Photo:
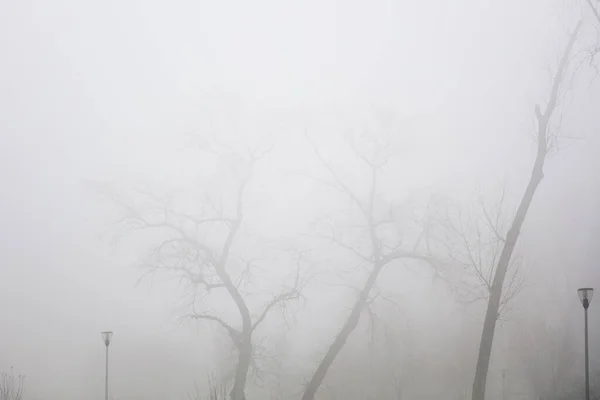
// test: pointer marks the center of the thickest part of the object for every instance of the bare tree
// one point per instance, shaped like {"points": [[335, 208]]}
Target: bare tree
{"points": [[546, 141], [197, 246], [474, 241], [9, 388], [375, 239]]}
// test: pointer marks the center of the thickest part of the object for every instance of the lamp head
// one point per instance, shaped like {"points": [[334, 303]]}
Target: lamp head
{"points": [[106, 337], [585, 295]]}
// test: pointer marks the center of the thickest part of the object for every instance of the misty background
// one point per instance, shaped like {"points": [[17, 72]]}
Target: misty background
{"points": [[115, 91]]}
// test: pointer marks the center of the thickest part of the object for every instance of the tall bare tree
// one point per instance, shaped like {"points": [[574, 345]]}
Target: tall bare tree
{"points": [[376, 238], [198, 246], [546, 140]]}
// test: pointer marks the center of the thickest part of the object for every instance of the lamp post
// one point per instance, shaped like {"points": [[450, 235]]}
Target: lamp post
{"points": [[106, 337], [504, 384], [585, 295]]}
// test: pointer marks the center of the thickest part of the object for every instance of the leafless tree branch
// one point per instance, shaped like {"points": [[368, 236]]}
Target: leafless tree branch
{"points": [[475, 243], [594, 9], [234, 333]]}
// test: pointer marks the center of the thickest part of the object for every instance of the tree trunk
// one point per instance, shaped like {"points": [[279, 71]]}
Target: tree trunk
{"points": [[242, 368], [342, 336], [537, 174], [491, 315]]}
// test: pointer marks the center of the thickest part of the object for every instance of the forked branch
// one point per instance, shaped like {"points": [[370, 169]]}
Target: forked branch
{"points": [[294, 293]]}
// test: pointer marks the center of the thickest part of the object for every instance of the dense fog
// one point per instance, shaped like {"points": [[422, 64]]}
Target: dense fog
{"points": [[123, 123]]}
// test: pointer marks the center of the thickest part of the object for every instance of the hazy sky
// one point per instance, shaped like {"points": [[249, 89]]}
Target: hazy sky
{"points": [[111, 91]]}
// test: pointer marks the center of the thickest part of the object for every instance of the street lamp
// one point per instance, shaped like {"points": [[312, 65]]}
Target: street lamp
{"points": [[585, 295], [106, 337]]}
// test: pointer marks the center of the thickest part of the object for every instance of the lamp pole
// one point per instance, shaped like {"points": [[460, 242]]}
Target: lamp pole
{"points": [[585, 295], [504, 384], [106, 338]]}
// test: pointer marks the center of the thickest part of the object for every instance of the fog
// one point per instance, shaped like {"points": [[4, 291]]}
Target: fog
{"points": [[116, 96]]}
